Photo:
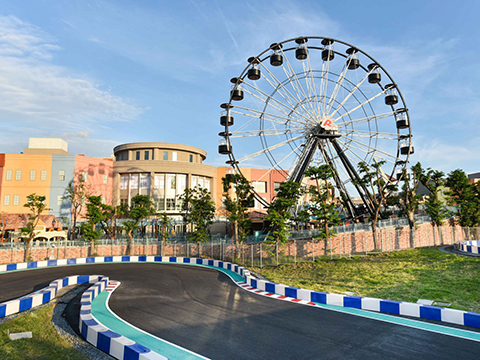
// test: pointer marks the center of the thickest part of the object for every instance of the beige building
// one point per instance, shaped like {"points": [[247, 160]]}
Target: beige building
{"points": [[162, 171]]}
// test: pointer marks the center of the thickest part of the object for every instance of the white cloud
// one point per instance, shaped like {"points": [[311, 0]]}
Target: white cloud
{"points": [[39, 96], [440, 154]]}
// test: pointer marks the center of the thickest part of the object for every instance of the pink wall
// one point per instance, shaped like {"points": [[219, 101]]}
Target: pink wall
{"points": [[96, 168]]}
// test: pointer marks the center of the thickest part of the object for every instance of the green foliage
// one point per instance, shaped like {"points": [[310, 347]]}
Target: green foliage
{"points": [[323, 207], [279, 211], [36, 204], [46, 342], [237, 206], [165, 221], [434, 181], [94, 216], [465, 196], [407, 199], [199, 210], [141, 208]]}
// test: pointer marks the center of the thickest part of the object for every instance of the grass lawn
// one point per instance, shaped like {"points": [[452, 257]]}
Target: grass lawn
{"points": [[45, 343], [409, 275]]}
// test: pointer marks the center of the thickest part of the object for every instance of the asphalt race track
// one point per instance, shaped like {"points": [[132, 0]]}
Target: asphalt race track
{"points": [[204, 311]]}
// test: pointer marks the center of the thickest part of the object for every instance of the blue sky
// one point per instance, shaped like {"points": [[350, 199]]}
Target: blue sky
{"points": [[102, 73]]}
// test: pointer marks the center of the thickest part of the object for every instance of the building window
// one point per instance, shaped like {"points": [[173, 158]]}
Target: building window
{"points": [[43, 175], [16, 200], [165, 155], [33, 175], [124, 182], [61, 175], [145, 181], [191, 158], [18, 175], [84, 176], [6, 200], [137, 155], [134, 181], [105, 178], [276, 186], [260, 186], [170, 204], [122, 156], [174, 156], [147, 153], [8, 175], [159, 182], [59, 200]]}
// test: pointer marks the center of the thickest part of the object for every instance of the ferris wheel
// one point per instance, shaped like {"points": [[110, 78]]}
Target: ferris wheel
{"points": [[312, 100]]}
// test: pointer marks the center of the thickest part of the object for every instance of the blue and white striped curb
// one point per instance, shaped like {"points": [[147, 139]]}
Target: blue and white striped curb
{"points": [[105, 339], [452, 316], [468, 246], [44, 295]]}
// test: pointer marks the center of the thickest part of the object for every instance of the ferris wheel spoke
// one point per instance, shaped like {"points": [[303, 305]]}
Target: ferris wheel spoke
{"points": [[283, 87], [369, 150], [336, 89], [277, 163], [350, 93], [367, 118], [267, 99], [368, 134], [273, 147], [266, 116], [268, 132], [310, 81], [360, 105], [291, 72]]}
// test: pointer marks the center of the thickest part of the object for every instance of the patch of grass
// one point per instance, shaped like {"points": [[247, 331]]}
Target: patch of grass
{"points": [[409, 275], [45, 343]]}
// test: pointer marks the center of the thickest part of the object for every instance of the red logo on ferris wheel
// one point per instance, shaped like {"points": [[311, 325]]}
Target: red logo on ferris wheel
{"points": [[328, 124]]}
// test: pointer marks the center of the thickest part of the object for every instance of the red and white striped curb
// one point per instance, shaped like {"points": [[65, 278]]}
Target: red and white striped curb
{"points": [[256, 291], [112, 285]]}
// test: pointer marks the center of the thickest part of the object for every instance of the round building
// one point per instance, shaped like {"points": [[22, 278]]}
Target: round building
{"points": [[162, 171]]}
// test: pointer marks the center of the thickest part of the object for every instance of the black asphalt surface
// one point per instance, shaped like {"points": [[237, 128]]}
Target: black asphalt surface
{"points": [[202, 310]]}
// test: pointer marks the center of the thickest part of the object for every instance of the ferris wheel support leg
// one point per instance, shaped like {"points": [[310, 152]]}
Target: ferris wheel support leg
{"points": [[348, 200], [304, 160], [362, 190]]}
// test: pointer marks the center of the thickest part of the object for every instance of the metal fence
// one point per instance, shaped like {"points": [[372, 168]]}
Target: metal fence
{"points": [[257, 254]]}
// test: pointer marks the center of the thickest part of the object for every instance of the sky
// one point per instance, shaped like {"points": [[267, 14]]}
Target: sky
{"points": [[102, 73]]}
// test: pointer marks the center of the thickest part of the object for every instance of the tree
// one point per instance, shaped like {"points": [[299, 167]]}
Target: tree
{"points": [[279, 210], [76, 193], [202, 213], [185, 200], [377, 187], [434, 180], [408, 200], [95, 215], [165, 220], [36, 204], [141, 207], [323, 208], [465, 196], [237, 205]]}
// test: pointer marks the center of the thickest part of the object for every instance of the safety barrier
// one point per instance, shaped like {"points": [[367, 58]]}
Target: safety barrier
{"points": [[104, 338], [468, 246], [44, 295], [442, 314]]}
